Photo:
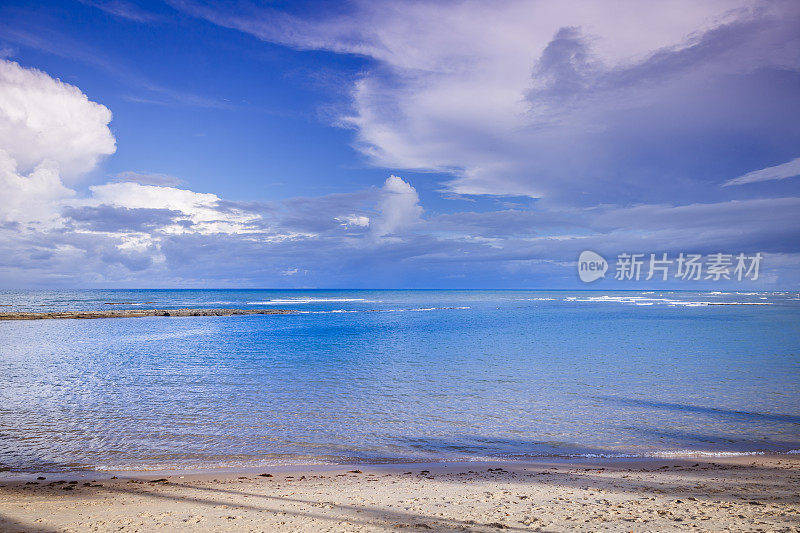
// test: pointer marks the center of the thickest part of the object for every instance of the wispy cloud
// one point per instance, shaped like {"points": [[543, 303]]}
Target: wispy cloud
{"points": [[66, 47], [778, 172], [575, 103], [148, 178], [122, 9]]}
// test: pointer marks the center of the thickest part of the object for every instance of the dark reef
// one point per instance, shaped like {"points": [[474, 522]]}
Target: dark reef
{"points": [[138, 313]]}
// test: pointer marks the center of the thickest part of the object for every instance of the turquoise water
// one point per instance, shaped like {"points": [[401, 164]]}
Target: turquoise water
{"points": [[382, 376]]}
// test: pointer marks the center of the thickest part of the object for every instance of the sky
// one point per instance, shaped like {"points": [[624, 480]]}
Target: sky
{"points": [[377, 144]]}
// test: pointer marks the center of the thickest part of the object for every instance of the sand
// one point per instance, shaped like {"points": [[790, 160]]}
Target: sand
{"points": [[758, 493]]}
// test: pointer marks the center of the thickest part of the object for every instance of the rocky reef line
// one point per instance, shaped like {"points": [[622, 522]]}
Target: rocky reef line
{"points": [[139, 313]]}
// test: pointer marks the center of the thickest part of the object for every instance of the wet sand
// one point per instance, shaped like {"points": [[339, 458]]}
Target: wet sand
{"points": [[754, 493]]}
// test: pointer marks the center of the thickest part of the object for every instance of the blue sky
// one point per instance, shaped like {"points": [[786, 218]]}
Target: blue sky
{"points": [[382, 144]]}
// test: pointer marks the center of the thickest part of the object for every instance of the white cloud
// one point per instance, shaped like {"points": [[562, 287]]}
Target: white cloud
{"points": [[483, 91], [31, 199], [778, 172], [44, 119], [148, 178], [47, 128], [399, 207], [354, 221], [202, 209], [135, 232], [448, 36], [122, 9], [134, 195]]}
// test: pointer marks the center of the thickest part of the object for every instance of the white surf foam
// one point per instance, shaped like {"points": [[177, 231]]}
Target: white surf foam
{"points": [[283, 301], [642, 300]]}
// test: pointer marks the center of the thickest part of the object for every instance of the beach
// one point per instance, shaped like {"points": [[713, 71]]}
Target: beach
{"points": [[379, 266], [745, 493], [399, 411]]}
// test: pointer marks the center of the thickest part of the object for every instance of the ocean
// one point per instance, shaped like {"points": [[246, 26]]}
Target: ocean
{"points": [[362, 376]]}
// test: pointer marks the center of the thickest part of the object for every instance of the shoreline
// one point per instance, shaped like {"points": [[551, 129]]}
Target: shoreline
{"points": [[140, 313], [738, 493], [13, 476]]}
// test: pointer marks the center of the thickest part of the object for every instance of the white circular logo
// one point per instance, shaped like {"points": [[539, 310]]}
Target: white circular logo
{"points": [[591, 266]]}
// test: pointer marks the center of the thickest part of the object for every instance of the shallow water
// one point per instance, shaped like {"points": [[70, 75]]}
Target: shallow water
{"points": [[373, 376]]}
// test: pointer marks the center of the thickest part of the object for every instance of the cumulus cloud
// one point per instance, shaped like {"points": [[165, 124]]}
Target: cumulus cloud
{"points": [[399, 207], [48, 129], [141, 227], [778, 172], [33, 198], [43, 119]]}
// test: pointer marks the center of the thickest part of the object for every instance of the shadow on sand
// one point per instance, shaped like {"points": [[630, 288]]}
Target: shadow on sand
{"points": [[665, 478]]}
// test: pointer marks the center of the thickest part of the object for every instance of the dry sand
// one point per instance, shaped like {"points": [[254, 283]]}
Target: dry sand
{"points": [[733, 494]]}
